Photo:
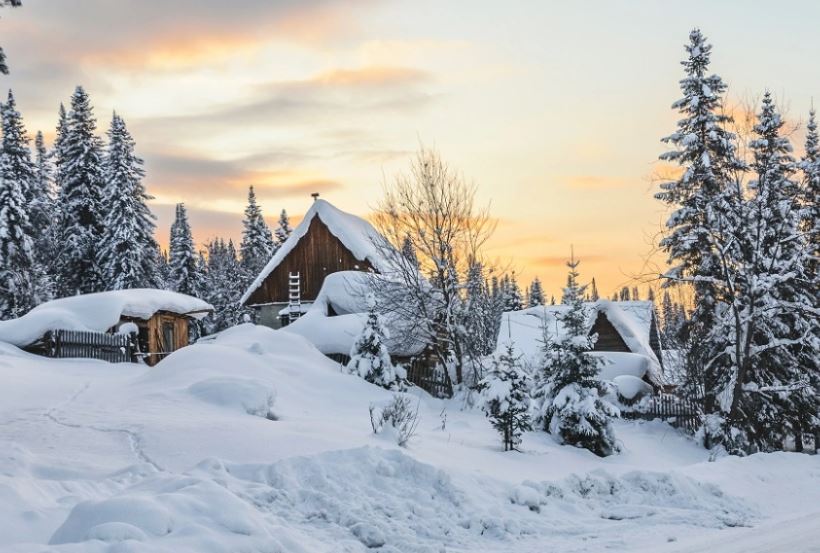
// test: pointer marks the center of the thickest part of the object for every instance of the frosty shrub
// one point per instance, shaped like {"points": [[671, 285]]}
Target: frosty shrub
{"points": [[505, 391], [398, 416]]}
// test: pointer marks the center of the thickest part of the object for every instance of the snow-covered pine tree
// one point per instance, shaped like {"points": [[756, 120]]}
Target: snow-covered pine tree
{"points": [[257, 240], [127, 250], [624, 296], [184, 272], [4, 69], [22, 281], [775, 345], [593, 292], [506, 394], [369, 357], [536, 294], [704, 200], [479, 319], [80, 218], [223, 271], [573, 407], [283, 228], [408, 250], [810, 201], [514, 299]]}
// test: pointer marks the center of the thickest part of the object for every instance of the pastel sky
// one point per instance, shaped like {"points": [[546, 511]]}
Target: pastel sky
{"points": [[555, 109]]}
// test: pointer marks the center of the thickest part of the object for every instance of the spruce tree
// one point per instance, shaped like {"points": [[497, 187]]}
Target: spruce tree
{"points": [[573, 408], [257, 241], [408, 250], [514, 299], [369, 357], [184, 271], [223, 271], [593, 292], [704, 201], [22, 282], [127, 248], [4, 69], [80, 220], [536, 294], [479, 318], [283, 228], [505, 391]]}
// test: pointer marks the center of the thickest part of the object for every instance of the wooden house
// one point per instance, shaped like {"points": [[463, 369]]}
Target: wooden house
{"points": [[326, 241], [119, 326], [627, 335]]}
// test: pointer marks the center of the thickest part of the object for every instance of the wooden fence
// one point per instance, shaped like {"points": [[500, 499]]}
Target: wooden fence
{"points": [[114, 348], [682, 413], [433, 379]]}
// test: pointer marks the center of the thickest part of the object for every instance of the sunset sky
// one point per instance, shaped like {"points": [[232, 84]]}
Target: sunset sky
{"points": [[554, 109]]}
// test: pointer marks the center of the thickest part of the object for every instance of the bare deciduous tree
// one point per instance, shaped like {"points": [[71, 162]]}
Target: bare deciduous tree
{"points": [[435, 209]]}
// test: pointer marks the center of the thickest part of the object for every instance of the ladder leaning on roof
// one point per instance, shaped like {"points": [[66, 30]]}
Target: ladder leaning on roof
{"points": [[294, 296]]}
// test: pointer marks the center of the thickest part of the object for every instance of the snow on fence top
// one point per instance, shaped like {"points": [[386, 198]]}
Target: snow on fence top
{"points": [[527, 329], [355, 233], [98, 312]]}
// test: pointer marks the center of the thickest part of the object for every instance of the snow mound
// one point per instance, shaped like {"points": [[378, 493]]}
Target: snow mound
{"points": [[666, 498], [631, 387], [251, 396], [115, 518]]}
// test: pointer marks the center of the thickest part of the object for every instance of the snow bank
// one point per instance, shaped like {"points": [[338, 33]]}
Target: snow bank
{"points": [[355, 233], [97, 312]]}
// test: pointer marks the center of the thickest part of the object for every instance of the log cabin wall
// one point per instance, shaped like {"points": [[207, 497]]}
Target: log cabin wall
{"points": [[609, 339], [156, 340], [317, 254]]}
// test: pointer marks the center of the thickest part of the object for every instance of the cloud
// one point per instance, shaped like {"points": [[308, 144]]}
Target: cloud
{"points": [[173, 178]]}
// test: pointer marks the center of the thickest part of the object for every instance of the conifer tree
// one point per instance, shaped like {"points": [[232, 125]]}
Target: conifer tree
{"points": [[22, 282], [810, 199], [257, 241], [593, 292], [4, 69], [80, 220], [505, 391], [573, 407], [536, 294], [128, 248], [369, 357], [42, 208], [479, 318], [223, 271], [514, 300], [184, 271], [636, 295], [283, 228], [704, 199], [408, 250]]}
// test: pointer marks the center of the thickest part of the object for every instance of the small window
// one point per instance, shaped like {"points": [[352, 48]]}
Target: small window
{"points": [[168, 337]]}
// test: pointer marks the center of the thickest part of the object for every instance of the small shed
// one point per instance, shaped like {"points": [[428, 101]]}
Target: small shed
{"points": [[326, 241], [156, 322]]}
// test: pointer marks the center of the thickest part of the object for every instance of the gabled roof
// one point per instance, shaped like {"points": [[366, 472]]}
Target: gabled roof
{"points": [[528, 328], [98, 312], [356, 234]]}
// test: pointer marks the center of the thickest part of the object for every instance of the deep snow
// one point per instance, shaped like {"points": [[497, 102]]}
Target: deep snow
{"points": [[254, 441]]}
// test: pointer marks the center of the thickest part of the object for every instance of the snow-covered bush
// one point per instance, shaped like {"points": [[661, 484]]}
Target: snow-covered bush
{"points": [[398, 416], [572, 403], [369, 357], [505, 391]]}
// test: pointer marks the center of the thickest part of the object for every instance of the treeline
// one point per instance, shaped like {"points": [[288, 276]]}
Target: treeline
{"points": [[75, 220]]}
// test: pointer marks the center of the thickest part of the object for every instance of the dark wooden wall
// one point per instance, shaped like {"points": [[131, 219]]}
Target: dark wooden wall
{"points": [[317, 254], [608, 338]]}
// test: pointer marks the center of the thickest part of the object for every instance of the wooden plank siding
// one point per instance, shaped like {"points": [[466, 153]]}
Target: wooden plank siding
{"points": [[317, 254], [609, 339]]}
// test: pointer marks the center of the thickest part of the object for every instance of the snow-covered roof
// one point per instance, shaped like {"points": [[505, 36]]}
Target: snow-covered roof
{"points": [[528, 329], [346, 293], [98, 312], [355, 233]]}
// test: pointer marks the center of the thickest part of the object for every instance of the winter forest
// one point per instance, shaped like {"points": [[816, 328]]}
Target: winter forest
{"points": [[679, 411]]}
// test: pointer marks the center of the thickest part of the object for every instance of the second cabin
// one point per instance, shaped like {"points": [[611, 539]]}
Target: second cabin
{"points": [[326, 241]]}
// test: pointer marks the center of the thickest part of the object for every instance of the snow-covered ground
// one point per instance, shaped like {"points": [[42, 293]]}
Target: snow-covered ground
{"points": [[254, 441]]}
